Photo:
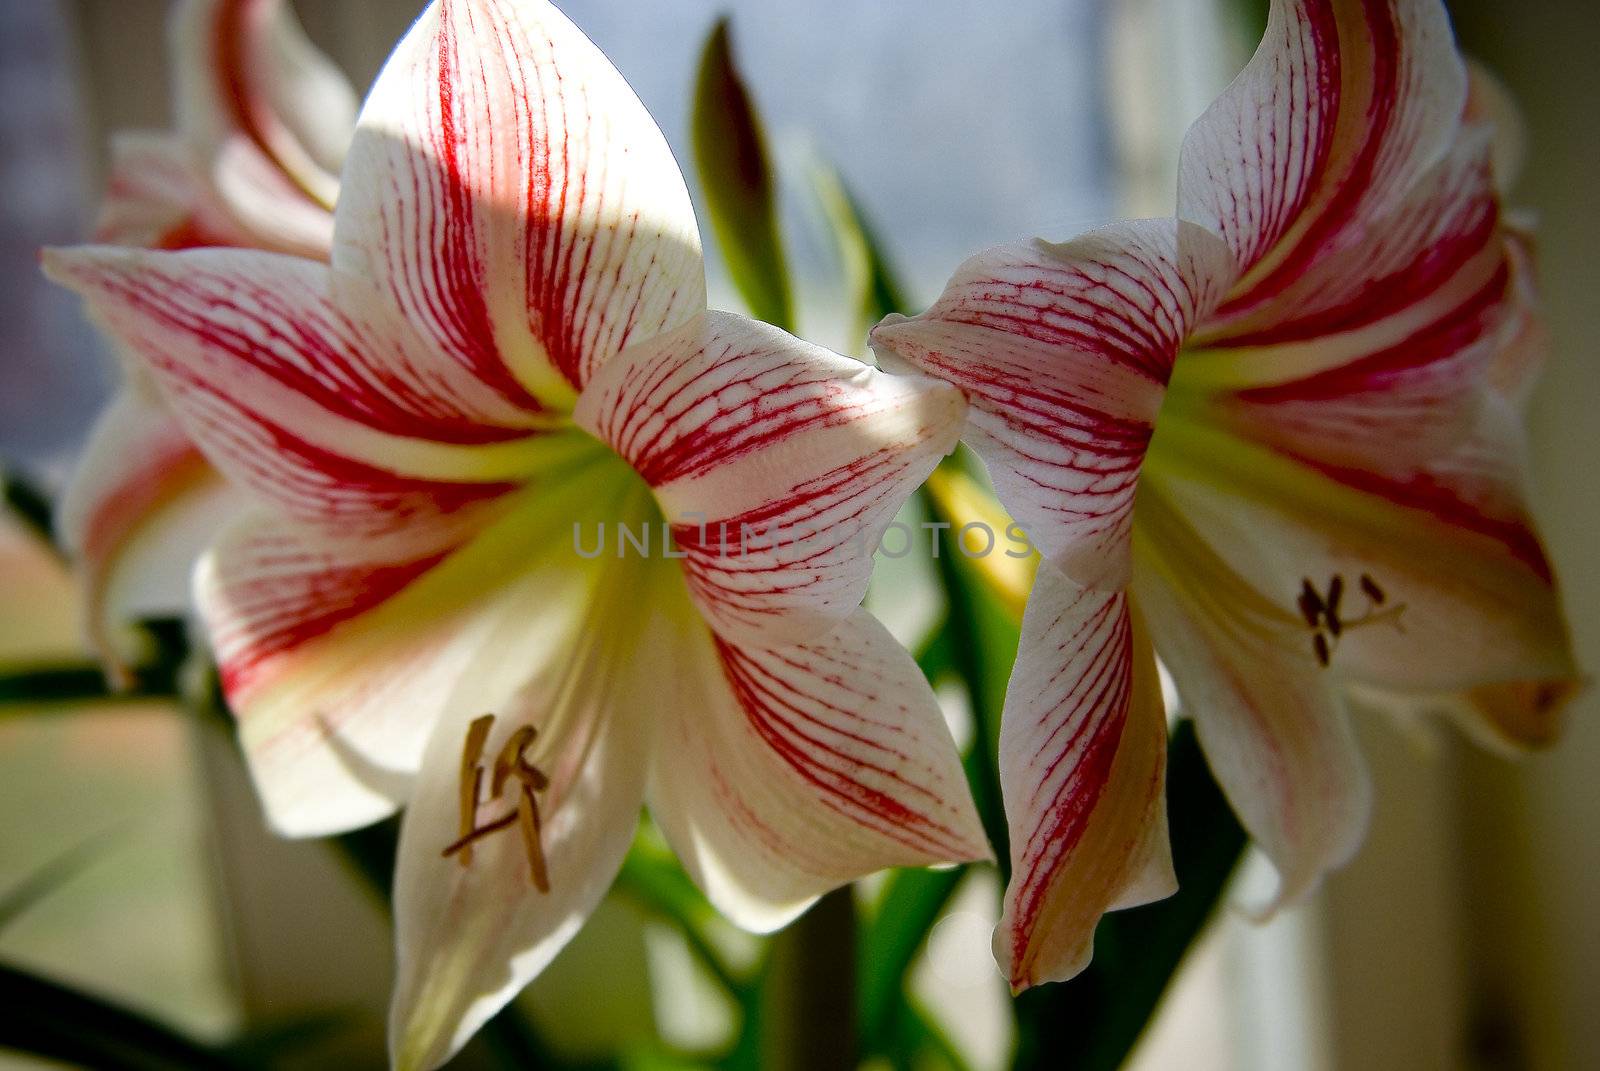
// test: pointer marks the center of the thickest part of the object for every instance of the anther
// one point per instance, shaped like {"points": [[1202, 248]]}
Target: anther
{"points": [[1310, 603], [511, 764]]}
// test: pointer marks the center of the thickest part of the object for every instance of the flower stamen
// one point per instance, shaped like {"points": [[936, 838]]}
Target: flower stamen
{"points": [[511, 764], [1328, 626]]}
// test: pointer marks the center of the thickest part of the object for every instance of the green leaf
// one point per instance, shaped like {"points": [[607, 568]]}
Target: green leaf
{"points": [[50, 1020], [1092, 1022], [55, 873], [875, 290], [30, 505], [911, 903], [737, 178]]}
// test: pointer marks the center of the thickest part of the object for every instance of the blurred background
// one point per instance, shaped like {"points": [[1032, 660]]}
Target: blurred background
{"points": [[1463, 936]]}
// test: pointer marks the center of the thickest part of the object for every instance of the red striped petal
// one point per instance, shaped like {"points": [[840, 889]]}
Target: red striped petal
{"points": [[335, 413], [332, 720], [141, 505], [157, 197], [249, 81], [1082, 768], [1064, 352], [781, 773], [778, 463], [1306, 164], [339, 656], [513, 197]]}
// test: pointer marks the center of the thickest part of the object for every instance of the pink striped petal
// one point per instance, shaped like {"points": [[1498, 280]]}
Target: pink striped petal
{"points": [[1064, 352], [511, 195], [339, 656], [1308, 163], [1082, 769], [334, 702], [249, 82], [779, 464], [335, 413], [157, 198], [1466, 599], [1274, 732], [141, 506], [781, 773]]}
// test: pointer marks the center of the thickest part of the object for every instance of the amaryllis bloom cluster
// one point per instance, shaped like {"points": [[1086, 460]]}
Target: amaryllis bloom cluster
{"points": [[1275, 441], [263, 121], [510, 345]]}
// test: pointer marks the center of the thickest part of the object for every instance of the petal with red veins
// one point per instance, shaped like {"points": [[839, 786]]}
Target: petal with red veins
{"points": [[1275, 734], [338, 656], [334, 412], [249, 82], [1082, 769], [1064, 352], [141, 506], [779, 464], [513, 198], [1446, 588], [781, 773], [156, 198], [1319, 143]]}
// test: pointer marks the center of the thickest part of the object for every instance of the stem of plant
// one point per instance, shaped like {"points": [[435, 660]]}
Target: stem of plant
{"points": [[810, 1001]]}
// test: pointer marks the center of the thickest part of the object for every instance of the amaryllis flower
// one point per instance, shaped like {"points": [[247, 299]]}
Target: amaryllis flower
{"points": [[1277, 443], [262, 124], [263, 121], [460, 432]]}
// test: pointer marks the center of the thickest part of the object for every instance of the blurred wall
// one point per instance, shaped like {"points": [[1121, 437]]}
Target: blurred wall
{"points": [[1530, 834]]}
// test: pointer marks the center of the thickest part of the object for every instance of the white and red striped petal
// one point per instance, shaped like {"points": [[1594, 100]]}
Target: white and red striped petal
{"points": [[1275, 734], [141, 506], [1316, 148], [1465, 597], [781, 773], [1064, 352], [250, 83], [778, 464], [1438, 244], [156, 198], [338, 656], [333, 702], [334, 412], [1082, 770], [515, 201]]}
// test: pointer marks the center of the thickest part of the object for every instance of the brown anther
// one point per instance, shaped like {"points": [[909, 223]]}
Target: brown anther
{"points": [[1370, 588], [1335, 593], [512, 764], [1310, 603], [1319, 644], [471, 783], [528, 822]]}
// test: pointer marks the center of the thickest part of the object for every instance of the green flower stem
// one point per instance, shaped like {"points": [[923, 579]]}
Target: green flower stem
{"points": [[809, 1004]]}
